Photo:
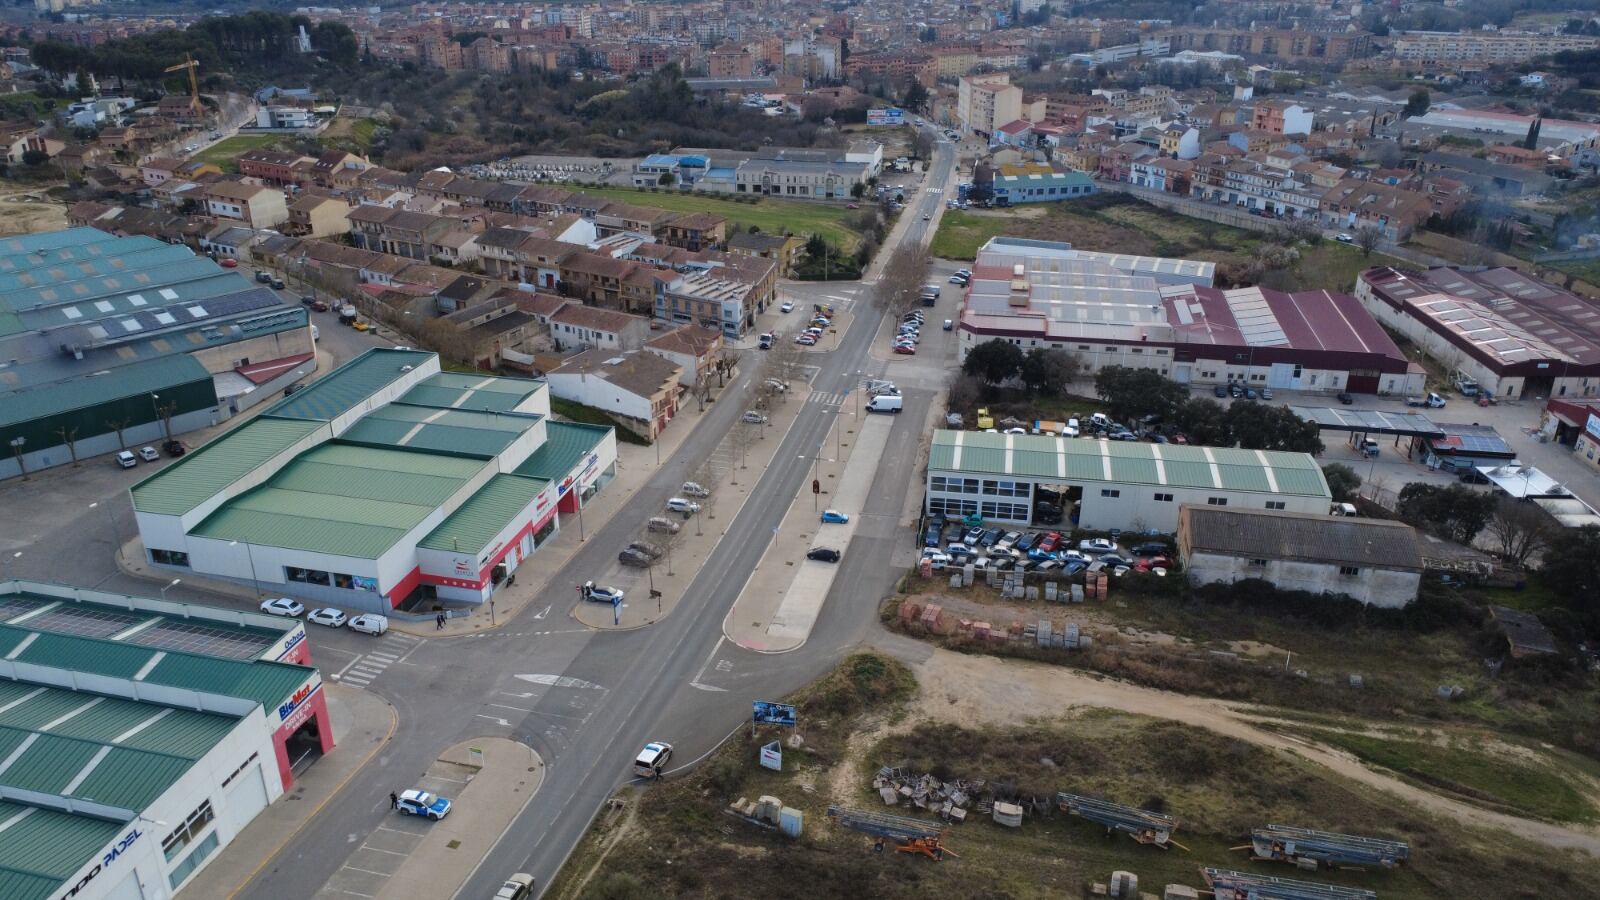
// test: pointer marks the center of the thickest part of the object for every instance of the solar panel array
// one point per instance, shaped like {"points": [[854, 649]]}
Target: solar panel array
{"points": [[84, 621], [209, 640]]}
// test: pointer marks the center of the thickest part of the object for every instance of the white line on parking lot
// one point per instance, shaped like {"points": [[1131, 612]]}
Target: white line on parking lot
{"points": [[368, 871], [347, 891], [504, 706], [381, 850]]}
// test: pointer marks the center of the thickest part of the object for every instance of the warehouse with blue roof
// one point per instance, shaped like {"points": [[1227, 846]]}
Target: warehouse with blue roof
{"points": [[111, 342], [387, 485], [138, 737]]}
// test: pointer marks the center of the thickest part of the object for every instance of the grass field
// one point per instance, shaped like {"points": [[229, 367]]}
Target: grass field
{"points": [[222, 153], [1139, 228], [349, 133], [830, 221], [1524, 782], [672, 839]]}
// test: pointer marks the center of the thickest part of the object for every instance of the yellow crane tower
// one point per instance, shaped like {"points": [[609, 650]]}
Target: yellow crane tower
{"points": [[194, 85]]}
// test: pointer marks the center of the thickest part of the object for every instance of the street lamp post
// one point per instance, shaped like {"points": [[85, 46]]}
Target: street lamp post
{"points": [[254, 582], [116, 536], [173, 584], [16, 448], [11, 565]]}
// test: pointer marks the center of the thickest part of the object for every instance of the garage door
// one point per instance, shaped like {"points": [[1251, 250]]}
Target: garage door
{"points": [[246, 797]]}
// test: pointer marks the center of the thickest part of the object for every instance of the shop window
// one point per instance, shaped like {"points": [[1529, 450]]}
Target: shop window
{"points": [[169, 557], [1275, 504], [184, 869], [343, 581]]}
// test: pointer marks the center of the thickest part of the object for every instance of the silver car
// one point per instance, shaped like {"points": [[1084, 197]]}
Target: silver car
{"points": [[663, 525], [695, 489]]}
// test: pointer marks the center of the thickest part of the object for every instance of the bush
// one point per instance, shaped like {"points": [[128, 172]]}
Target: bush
{"points": [[618, 886], [725, 775]]}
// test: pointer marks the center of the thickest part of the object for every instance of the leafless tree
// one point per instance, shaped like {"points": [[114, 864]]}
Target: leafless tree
{"points": [[120, 426], [69, 436], [166, 410], [740, 439], [701, 390], [1520, 528], [785, 361], [901, 286], [963, 393], [1367, 238], [727, 362]]}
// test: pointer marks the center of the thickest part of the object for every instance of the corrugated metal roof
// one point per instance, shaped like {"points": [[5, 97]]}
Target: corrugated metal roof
{"points": [[1169, 465], [566, 444], [454, 390], [42, 848], [1306, 537], [348, 386], [145, 377], [83, 654], [469, 432], [485, 514], [200, 475], [342, 499]]}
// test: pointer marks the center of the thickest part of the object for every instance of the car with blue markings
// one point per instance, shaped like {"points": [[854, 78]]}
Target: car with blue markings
{"points": [[423, 804]]}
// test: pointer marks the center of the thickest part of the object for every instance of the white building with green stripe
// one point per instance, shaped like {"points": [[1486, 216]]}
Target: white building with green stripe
{"points": [[1133, 486], [387, 485]]}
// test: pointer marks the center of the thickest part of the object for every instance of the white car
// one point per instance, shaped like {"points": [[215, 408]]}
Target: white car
{"points": [[1072, 429], [694, 489], [1344, 238], [786, 307], [149, 454], [1097, 545], [369, 623], [652, 759], [600, 593], [1016, 430], [936, 559], [683, 505], [1008, 540], [283, 606], [328, 616], [517, 887], [753, 418]]}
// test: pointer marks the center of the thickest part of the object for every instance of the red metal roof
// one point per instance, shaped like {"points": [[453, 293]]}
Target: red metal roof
{"points": [[263, 372]]}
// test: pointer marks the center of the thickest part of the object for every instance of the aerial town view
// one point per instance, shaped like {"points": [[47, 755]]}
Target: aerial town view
{"points": [[735, 449]]}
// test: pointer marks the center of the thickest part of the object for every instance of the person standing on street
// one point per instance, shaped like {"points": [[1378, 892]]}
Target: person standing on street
{"points": [[394, 800]]}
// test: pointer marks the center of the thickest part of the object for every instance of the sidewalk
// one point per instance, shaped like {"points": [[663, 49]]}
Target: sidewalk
{"points": [[362, 724], [691, 549], [501, 777], [780, 603]]}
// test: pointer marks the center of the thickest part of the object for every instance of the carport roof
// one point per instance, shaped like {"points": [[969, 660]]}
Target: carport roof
{"points": [[1045, 458], [471, 527], [1369, 421]]}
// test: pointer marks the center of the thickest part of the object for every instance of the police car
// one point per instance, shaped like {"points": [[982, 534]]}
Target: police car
{"points": [[424, 804], [652, 759]]}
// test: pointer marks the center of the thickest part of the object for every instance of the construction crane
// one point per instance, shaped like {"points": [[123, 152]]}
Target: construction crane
{"points": [[1229, 885], [1142, 825], [194, 84], [1309, 848], [909, 835]]}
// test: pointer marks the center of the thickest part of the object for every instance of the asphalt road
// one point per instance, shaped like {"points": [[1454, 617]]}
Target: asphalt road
{"points": [[586, 701]]}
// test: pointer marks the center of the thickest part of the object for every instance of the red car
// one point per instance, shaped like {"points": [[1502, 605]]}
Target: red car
{"points": [[1154, 562], [228, 263], [1049, 542], [905, 350]]}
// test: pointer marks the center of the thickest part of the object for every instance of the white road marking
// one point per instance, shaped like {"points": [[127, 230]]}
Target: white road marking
{"points": [[381, 850], [504, 706], [495, 719], [367, 871], [561, 680]]}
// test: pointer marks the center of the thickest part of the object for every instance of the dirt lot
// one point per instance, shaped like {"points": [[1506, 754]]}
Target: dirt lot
{"points": [[26, 213], [1032, 729]]}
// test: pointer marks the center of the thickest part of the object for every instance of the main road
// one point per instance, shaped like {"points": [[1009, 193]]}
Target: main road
{"points": [[587, 700]]}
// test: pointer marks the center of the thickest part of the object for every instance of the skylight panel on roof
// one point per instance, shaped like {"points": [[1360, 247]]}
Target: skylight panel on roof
{"points": [[104, 306], [137, 299], [198, 311], [71, 312], [169, 294], [98, 332], [166, 318], [131, 325]]}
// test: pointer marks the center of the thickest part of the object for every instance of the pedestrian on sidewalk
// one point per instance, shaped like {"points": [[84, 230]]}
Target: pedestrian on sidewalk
{"points": [[438, 622], [394, 800]]}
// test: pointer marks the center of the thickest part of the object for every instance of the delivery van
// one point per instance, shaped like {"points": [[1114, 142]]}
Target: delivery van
{"points": [[885, 403]]}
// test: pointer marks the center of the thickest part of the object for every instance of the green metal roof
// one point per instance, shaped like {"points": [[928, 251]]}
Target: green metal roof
{"points": [[348, 386], [49, 240], [1042, 457], [472, 433], [43, 847], [565, 445], [485, 514], [145, 377], [105, 245], [78, 278], [454, 390], [200, 475], [342, 499]]}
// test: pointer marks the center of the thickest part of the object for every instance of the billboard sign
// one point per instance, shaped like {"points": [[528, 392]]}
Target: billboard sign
{"points": [[888, 115], [1592, 425], [768, 713]]}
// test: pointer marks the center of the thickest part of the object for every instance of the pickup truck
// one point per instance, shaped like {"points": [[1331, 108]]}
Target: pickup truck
{"points": [[1430, 400]]}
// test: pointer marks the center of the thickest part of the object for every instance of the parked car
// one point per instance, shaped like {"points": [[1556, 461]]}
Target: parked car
{"points": [[1008, 540], [283, 606], [931, 536], [936, 559], [263, 277], [1026, 542], [647, 548], [277, 284], [1345, 238], [149, 454], [1049, 542], [960, 549], [228, 263], [600, 593], [834, 517], [905, 349], [369, 623], [1151, 548], [652, 759], [126, 459], [328, 616], [1097, 545], [663, 525], [683, 505], [694, 489], [753, 418], [634, 558], [990, 537], [786, 307], [1266, 393], [423, 804], [823, 554], [1346, 399], [1219, 391]]}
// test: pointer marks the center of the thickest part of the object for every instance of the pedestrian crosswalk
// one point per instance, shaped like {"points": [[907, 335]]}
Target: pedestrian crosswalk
{"points": [[368, 666], [826, 398]]}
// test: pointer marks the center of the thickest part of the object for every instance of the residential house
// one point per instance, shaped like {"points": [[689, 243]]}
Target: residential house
{"points": [[575, 326], [639, 389], [255, 205], [338, 169], [1281, 117], [783, 249], [693, 348], [696, 231], [1395, 212], [1180, 141], [314, 215], [271, 166], [595, 278], [487, 330]]}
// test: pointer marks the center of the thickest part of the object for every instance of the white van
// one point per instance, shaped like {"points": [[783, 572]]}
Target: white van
{"points": [[885, 403]]}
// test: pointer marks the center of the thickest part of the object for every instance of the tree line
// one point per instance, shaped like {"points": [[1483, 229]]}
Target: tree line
{"points": [[218, 43]]}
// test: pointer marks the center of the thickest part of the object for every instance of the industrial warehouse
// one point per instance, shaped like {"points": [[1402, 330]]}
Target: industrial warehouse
{"points": [[386, 485], [1128, 485], [109, 342], [1143, 312], [139, 737]]}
